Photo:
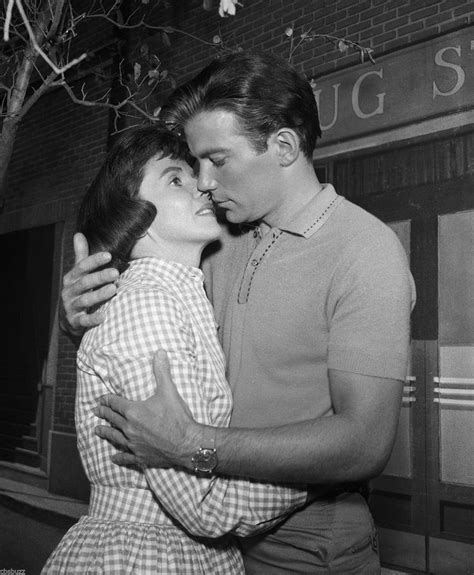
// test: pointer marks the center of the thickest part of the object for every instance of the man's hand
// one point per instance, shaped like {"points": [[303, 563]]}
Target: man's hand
{"points": [[80, 288], [157, 432]]}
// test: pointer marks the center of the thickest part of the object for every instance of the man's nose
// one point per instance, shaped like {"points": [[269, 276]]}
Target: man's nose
{"points": [[205, 184]]}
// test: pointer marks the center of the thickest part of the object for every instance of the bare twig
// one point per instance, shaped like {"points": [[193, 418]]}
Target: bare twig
{"points": [[342, 44], [38, 49], [143, 24], [8, 19]]}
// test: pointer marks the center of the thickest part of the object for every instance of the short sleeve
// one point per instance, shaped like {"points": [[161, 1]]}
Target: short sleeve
{"points": [[369, 308]]}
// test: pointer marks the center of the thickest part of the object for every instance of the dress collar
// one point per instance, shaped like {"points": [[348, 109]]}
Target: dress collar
{"points": [[154, 267]]}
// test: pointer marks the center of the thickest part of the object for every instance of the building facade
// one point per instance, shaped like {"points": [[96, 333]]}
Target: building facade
{"points": [[398, 139]]}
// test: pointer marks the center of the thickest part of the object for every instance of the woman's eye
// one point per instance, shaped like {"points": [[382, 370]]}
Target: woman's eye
{"points": [[176, 181], [219, 162]]}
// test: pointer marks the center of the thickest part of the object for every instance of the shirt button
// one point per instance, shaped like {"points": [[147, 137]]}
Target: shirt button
{"points": [[256, 233], [254, 263]]}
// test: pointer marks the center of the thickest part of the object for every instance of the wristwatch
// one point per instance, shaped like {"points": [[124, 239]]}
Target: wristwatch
{"points": [[204, 461]]}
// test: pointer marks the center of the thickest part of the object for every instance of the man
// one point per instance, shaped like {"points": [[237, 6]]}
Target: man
{"points": [[313, 298]]}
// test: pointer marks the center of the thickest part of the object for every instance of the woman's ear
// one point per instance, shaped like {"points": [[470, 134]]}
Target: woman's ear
{"points": [[288, 145]]}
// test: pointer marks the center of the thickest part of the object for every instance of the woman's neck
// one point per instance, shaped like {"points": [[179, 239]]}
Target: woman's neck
{"points": [[186, 255]]}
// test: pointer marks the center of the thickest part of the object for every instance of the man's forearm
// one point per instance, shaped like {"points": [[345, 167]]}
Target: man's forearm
{"points": [[352, 445], [325, 450]]}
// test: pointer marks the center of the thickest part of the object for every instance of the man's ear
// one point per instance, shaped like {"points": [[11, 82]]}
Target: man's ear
{"points": [[288, 145]]}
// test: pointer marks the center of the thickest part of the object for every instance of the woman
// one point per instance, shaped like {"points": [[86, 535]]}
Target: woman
{"points": [[144, 208]]}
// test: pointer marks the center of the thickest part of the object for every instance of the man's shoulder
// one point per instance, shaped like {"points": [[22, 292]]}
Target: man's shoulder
{"points": [[353, 223]]}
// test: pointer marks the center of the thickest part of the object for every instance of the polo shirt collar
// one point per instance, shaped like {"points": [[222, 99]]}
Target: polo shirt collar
{"points": [[307, 220], [314, 214]]}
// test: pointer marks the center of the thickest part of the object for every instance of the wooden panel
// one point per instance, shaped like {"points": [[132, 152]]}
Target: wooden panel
{"points": [[457, 519], [424, 267], [456, 441], [393, 509], [400, 462], [402, 549], [451, 557], [418, 164], [456, 278]]}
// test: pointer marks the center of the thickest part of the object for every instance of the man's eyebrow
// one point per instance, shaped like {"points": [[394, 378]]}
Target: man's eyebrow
{"points": [[211, 151]]}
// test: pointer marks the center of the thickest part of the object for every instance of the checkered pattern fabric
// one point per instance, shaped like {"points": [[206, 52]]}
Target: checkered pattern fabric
{"points": [[161, 520]]}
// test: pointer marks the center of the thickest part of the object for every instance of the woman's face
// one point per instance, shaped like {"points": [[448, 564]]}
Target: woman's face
{"points": [[184, 215]]}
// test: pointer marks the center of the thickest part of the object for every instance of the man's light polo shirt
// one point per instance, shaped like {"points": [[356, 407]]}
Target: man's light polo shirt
{"points": [[329, 290]]}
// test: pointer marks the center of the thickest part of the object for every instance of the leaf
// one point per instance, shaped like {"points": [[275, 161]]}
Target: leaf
{"points": [[342, 46], [227, 7], [166, 39]]}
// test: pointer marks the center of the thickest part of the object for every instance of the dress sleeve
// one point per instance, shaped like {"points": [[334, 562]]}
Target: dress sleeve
{"points": [[151, 319]]}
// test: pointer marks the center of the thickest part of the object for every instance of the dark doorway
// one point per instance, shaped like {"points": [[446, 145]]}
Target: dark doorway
{"points": [[27, 258]]}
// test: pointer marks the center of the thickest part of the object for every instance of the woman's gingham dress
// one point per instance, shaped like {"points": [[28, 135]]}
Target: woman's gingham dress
{"points": [[159, 520]]}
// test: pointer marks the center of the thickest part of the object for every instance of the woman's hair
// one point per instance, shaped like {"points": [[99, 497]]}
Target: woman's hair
{"points": [[262, 90], [112, 216]]}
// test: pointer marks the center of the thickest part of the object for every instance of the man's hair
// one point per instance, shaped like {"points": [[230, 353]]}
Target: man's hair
{"points": [[112, 216], [263, 91]]}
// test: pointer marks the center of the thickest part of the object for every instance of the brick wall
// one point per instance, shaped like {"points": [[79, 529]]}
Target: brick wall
{"points": [[61, 145], [384, 25]]}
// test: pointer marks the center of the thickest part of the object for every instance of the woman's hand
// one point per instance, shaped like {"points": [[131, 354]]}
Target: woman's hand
{"points": [[82, 288]]}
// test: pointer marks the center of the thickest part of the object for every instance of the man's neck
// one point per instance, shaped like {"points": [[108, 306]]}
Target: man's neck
{"points": [[297, 198]]}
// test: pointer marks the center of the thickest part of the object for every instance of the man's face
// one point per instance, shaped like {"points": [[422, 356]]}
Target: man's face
{"points": [[242, 181]]}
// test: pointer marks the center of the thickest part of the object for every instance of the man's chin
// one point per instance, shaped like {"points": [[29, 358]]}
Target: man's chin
{"points": [[234, 218]]}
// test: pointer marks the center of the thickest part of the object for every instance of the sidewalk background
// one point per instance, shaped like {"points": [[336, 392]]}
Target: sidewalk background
{"points": [[32, 522]]}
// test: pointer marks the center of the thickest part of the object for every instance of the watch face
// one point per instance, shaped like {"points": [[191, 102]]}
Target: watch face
{"points": [[205, 460]]}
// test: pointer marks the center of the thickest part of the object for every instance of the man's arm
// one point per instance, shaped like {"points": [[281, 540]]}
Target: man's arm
{"points": [[351, 445], [83, 288]]}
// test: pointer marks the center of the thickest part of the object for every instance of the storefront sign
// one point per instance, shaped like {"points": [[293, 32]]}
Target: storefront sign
{"points": [[432, 79]]}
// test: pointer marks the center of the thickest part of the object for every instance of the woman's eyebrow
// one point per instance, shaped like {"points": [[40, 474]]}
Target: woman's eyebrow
{"points": [[171, 169]]}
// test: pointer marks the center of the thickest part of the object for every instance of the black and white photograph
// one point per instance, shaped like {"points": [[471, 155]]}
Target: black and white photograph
{"points": [[237, 243]]}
